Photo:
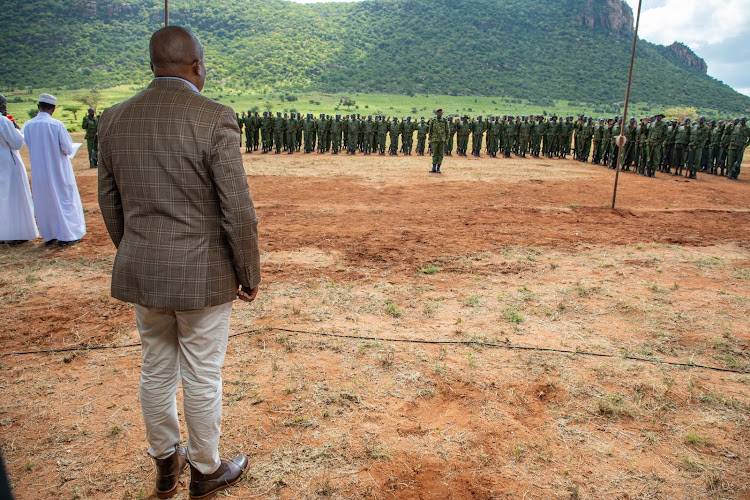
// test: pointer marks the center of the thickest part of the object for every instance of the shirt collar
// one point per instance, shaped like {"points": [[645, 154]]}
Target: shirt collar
{"points": [[180, 79]]}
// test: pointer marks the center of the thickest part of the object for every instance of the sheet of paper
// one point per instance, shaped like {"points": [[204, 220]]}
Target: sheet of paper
{"points": [[76, 147]]}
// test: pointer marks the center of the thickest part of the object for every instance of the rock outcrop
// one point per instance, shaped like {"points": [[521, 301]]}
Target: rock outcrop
{"points": [[688, 57], [611, 15]]}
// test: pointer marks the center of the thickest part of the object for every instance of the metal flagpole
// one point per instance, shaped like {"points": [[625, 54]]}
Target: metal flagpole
{"points": [[627, 99], [166, 13]]}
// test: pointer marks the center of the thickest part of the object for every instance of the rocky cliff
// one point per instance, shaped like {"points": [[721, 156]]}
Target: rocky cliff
{"points": [[683, 53], [610, 15]]}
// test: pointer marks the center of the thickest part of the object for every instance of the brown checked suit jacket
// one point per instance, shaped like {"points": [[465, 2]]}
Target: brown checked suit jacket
{"points": [[175, 200]]}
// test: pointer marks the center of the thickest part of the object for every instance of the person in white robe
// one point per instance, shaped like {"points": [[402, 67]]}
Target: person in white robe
{"points": [[16, 207], [57, 202]]}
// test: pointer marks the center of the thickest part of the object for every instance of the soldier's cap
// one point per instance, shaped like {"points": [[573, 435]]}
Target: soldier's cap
{"points": [[439, 110], [743, 119], [48, 99], [632, 118], [660, 114], [713, 122], [422, 118]]}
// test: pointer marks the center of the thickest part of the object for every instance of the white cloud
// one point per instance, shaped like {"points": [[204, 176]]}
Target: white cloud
{"points": [[716, 30], [696, 23]]}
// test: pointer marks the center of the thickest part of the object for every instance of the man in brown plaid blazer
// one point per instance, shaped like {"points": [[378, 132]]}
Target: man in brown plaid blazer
{"points": [[175, 200]]}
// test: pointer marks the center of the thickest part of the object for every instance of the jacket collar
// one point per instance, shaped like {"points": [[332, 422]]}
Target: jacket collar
{"points": [[172, 81]]}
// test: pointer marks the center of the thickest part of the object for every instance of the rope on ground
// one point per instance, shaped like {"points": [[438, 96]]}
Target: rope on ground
{"points": [[475, 343]]}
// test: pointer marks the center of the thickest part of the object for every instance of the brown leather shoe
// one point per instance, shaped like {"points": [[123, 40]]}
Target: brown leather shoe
{"points": [[204, 486], [168, 472]]}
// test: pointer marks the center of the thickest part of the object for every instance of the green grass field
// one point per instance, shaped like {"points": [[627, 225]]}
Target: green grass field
{"points": [[366, 104]]}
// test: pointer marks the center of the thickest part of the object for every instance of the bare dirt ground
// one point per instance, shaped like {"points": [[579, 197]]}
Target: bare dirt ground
{"points": [[509, 252]]}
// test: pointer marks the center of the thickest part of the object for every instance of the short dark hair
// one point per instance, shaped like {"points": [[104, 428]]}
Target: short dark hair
{"points": [[44, 106]]}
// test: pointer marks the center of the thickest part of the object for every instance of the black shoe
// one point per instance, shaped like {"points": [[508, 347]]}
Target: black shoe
{"points": [[66, 243], [204, 486], [168, 472], [50, 242]]}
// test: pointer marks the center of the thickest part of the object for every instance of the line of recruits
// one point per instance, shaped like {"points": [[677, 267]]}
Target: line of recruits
{"points": [[653, 144]]}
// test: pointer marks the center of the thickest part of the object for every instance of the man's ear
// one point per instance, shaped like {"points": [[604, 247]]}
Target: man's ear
{"points": [[197, 67]]}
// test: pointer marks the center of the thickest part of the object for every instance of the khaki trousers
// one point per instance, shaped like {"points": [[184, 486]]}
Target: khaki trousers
{"points": [[187, 346]]}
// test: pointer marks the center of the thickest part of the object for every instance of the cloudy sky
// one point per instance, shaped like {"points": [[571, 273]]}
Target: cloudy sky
{"points": [[716, 30]]}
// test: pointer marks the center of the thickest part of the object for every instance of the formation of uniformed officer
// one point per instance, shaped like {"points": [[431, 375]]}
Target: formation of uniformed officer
{"points": [[653, 144], [672, 147]]}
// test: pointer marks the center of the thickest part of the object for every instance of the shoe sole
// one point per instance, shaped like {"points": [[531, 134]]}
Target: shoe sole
{"points": [[212, 494], [168, 494]]}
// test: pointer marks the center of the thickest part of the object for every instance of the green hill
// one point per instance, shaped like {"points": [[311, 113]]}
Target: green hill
{"points": [[538, 50]]}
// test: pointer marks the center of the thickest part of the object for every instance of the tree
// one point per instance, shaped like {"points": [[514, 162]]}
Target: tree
{"points": [[90, 98], [74, 110], [680, 113]]}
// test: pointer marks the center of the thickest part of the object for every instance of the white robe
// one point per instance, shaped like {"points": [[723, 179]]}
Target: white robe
{"points": [[16, 207], [57, 203]]}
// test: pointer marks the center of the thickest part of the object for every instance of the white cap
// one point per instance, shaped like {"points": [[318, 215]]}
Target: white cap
{"points": [[48, 99]]}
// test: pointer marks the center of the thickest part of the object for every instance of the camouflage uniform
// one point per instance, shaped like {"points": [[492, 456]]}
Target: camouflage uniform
{"points": [[422, 127], [511, 128], [739, 139], [438, 130], [699, 136], [681, 142], [463, 131], [657, 136], [394, 130], [321, 129], [336, 128], [477, 132], [382, 132], [353, 129], [524, 134], [309, 129], [91, 125], [452, 129]]}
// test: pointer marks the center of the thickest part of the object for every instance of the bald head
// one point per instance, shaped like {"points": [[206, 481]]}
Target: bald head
{"points": [[177, 52]]}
